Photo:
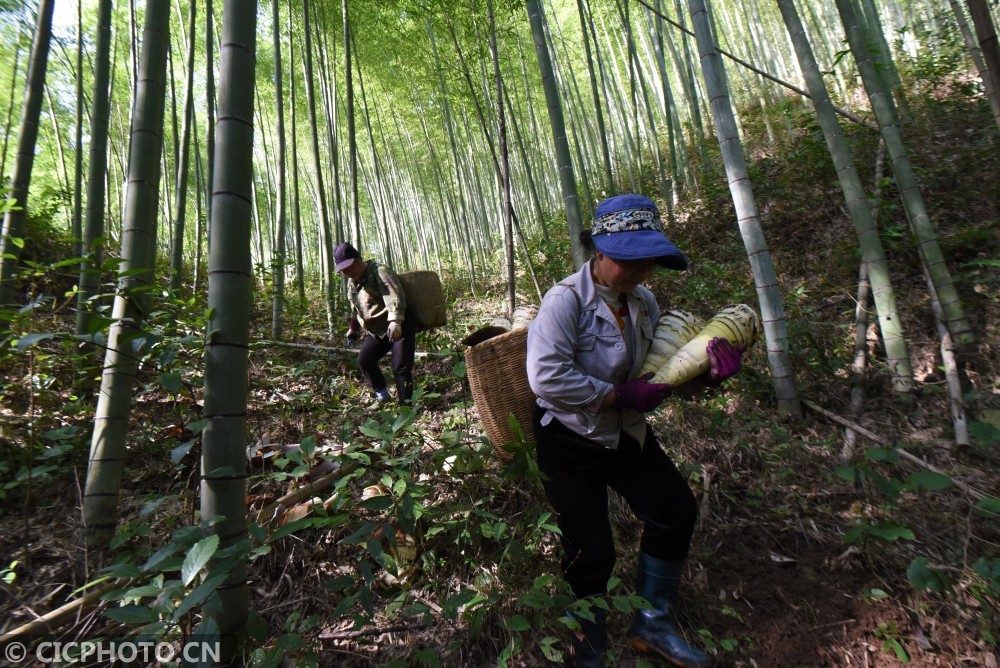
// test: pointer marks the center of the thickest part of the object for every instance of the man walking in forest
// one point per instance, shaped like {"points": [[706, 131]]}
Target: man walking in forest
{"points": [[379, 316]]}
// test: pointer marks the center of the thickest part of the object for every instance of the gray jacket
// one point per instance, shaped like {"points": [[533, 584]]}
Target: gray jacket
{"points": [[377, 298], [576, 354]]}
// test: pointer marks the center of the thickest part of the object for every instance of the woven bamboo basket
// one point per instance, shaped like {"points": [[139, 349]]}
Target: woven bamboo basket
{"points": [[425, 298], [498, 376]]}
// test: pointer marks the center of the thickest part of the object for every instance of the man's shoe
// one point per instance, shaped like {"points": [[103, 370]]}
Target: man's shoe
{"points": [[382, 397]]}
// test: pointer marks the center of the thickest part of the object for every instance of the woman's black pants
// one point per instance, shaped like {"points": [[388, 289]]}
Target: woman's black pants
{"points": [[579, 474]]}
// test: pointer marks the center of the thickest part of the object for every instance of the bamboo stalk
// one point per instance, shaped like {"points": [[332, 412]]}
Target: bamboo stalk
{"points": [[860, 361], [353, 351], [62, 614], [951, 372], [269, 512], [881, 442], [843, 112]]}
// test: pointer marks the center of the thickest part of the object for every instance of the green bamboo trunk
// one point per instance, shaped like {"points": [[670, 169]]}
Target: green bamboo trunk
{"points": [[108, 444]]}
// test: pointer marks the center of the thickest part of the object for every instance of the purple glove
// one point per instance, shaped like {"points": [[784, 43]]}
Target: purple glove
{"points": [[724, 359], [639, 394]]}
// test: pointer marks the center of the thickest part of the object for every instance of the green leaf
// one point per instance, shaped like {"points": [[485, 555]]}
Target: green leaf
{"points": [[61, 434], [550, 645], [171, 382], [988, 506], [309, 522], [414, 610], [925, 578], [308, 446], [257, 629], [891, 487], [65, 263], [29, 340], [846, 472], [340, 583], [197, 426], [290, 642], [132, 614], [376, 430], [375, 549], [623, 604], [882, 455], [403, 420], [890, 531], [145, 590], [855, 534], [160, 556], [381, 502], [463, 598], [190, 535], [197, 557], [122, 570], [894, 645], [99, 323], [515, 426], [153, 505], [178, 453], [519, 623], [199, 595], [984, 432], [449, 438], [930, 480], [257, 532]]}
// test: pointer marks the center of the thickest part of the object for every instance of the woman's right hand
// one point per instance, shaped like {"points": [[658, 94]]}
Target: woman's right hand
{"points": [[639, 394]]}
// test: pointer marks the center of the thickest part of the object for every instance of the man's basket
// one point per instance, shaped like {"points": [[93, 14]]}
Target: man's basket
{"points": [[424, 298], [498, 376]]}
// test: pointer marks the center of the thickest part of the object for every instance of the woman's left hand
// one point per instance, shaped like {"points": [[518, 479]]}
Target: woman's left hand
{"points": [[724, 359]]}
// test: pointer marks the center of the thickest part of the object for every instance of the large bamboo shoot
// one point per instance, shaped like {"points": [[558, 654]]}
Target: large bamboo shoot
{"points": [[673, 330], [738, 323]]}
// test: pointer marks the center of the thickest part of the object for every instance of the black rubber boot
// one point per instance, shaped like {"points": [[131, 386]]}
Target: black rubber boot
{"points": [[590, 644], [654, 630]]}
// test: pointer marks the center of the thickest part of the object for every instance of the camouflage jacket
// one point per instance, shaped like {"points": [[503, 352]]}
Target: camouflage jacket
{"points": [[377, 298]]}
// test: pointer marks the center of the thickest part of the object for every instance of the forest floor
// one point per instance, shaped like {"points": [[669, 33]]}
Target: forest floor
{"points": [[797, 560]]}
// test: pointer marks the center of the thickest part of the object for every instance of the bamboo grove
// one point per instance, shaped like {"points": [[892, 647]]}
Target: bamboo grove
{"points": [[207, 148]]}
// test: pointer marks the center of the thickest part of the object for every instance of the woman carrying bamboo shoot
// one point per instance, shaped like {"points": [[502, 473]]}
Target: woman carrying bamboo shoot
{"points": [[585, 351]]}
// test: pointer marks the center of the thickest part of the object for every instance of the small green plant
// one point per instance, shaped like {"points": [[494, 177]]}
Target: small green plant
{"points": [[889, 635], [163, 591], [8, 574], [986, 590], [292, 645], [714, 644]]}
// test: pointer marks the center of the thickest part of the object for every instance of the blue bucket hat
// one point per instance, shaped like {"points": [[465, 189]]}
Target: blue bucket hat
{"points": [[628, 227]]}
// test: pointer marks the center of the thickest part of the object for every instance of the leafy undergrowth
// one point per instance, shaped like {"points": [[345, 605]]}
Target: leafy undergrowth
{"points": [[799, 559]]}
